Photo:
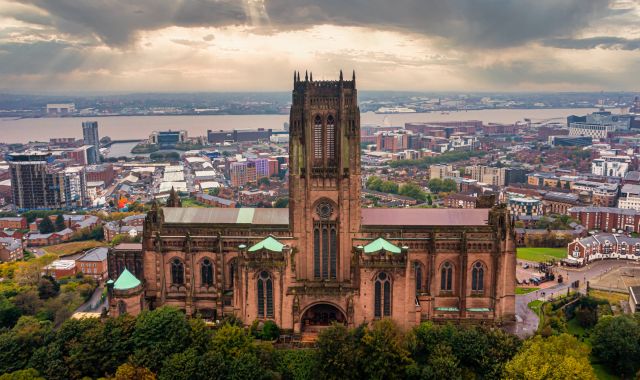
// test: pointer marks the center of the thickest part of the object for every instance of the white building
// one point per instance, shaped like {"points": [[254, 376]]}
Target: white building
{"points": [[611, 166], [595, 131], [61, 108], [629, 197]]}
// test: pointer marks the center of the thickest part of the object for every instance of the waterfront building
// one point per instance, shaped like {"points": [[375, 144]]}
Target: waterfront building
{"points": [[92, 137], [324, 259]]}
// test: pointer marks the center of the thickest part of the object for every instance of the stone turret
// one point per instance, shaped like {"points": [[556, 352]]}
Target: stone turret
{"points": [[174, 199]]}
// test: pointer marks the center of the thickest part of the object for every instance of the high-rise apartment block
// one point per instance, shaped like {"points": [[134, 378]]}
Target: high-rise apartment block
{"points": [[37, 184], [91, 137]]}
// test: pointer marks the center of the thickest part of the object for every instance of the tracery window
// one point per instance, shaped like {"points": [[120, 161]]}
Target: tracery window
{"points": [[206, 272], [317, 138], [477, 277], [446, 277], [325, 250], [418, 269], [265, 295], [177, 272], [324, 141], [382, 303]]}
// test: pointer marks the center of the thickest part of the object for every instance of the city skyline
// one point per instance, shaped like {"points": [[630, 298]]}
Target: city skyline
{"points": [[223, 45]]}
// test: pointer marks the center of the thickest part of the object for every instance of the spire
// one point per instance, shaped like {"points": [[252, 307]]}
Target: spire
{"points": [[340, 75], [354, 79], [311, 76], [306, 76], [294, 77], [174, 199]]}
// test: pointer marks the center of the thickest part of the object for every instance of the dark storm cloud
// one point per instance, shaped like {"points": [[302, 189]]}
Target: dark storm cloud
{"points": [[116, 22], [614, 43], [41, 58], [470, 23]]}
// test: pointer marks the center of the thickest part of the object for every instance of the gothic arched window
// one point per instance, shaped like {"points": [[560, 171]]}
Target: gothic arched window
{"points": [[317, 138], [232, 274], [382, 303], [177, 272], [206, 272], [418, 269], [325, 251], [122, 307], [265, 295], [330, 139], [477, 277], [446, 277]]}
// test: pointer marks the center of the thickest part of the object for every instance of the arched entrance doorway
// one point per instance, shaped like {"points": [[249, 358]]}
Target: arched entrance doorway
{"points": [[322, 315]]}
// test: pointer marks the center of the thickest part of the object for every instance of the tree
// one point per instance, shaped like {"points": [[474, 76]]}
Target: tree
{"points": [[339, 353], [616, 343], [9, 313], [281, 203], [46, 226], [130, 372], [48, 287], [24, 374], [264, 181], [297, 364], [157, 335], [59, 223], [414, 191], [384, 350], [214, 191], [557, 357]]}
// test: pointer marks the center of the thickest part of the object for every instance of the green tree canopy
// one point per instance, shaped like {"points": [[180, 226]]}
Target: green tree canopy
{"points": [[616, 343], [59, 223], [46, 226], [557, 357]]}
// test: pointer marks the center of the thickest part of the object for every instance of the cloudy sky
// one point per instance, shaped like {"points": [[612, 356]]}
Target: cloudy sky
{"points": [[246, 45]]}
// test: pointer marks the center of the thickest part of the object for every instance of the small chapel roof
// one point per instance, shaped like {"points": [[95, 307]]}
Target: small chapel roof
{"points": [[270, 244], [381, 244], [126, 281]]}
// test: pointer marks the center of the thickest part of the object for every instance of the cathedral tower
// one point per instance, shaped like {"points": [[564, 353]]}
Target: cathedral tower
{"points": [[324, 175]]}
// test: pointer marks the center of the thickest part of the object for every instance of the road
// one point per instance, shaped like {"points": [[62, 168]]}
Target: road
{"points": [[93, 304], [527, 320]]}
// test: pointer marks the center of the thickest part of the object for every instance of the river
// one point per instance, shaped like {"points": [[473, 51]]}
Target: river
{"points": [[139, 127]]}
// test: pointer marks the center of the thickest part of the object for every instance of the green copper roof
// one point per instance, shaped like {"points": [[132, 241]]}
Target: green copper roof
{"points": [[270, 244], [478, 309], [447, 309], [110, 281], [126, 281], [380, 244]]}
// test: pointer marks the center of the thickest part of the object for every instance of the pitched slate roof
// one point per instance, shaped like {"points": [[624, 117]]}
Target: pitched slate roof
{"points": [[268, 216], [381, 244], [270, 244], [370, 216], [126, 281]]}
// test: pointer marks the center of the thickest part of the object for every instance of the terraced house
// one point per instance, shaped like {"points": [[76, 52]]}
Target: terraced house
{"points": [[324, 259]]}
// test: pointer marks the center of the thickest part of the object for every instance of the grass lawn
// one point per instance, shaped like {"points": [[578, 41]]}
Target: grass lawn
{"points": [[190, 202], [72, 247], [541, 254], [602, 373], [614, 298], [536, 306], [575, 329], [521, 290]]}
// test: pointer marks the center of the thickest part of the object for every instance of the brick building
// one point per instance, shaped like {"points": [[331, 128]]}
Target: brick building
{"points": [[324, 259]]}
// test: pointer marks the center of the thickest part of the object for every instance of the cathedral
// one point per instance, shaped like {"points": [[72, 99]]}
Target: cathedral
{"points": [[325, 259]]}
